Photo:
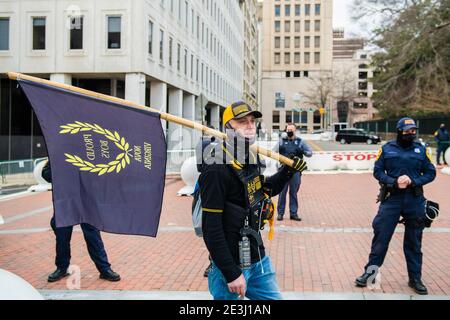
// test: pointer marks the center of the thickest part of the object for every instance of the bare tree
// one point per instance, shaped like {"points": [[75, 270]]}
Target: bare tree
{"points": [[413, 62]]}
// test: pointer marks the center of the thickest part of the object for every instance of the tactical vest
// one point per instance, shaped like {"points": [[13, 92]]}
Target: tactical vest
{"points": [[291, 147]]}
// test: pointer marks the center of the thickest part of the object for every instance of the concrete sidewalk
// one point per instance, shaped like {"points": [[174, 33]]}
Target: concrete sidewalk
{"points": [[204, 295], [317, 258]]}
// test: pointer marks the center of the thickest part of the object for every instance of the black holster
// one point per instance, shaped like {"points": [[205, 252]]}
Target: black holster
{"points": [[385, 192]]}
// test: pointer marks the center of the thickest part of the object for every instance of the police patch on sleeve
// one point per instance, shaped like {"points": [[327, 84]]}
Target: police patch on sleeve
{"points": [[428, 153], [379, 154]]}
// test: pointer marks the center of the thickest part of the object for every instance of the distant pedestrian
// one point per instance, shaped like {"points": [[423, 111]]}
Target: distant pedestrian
{"points": [[443, 142]]}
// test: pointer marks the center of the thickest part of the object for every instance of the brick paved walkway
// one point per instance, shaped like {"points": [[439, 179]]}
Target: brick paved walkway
{"points": [[323, 253]]}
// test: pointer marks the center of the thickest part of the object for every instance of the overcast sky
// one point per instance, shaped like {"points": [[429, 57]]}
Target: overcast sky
{"points": [[341, 17]]}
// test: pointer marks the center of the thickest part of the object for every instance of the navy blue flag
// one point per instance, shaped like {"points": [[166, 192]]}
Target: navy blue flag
{"points": [[108, 160]]}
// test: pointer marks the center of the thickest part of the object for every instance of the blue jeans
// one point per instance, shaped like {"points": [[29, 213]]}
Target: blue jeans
{"points": [[293, 185], [260, 286]]}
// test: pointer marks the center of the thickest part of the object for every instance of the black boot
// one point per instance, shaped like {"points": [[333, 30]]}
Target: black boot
{"points": [[280, 217], [110, 275], [418, 286], [362, 280], [58, 274], [296, 218]]}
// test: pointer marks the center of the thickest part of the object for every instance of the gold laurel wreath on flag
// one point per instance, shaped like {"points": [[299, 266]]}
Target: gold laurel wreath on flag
{"points": [[121, 161]]}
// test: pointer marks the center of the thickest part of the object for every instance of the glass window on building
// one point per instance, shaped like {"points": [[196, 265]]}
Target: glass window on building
{"points": [[288, 116], [362, 85], [279, 100], [197, 70], [114, 32], [317, 42], [287, 42], [287, 26], [288, 74], [186, 14], [360, 105], [20, 133], [161, 45], [307, 42], [307, 57], [307, 26], [317, 9], [296, 115], [198, 27], [277, 26], [185, 62], [4, 33], [317, 117], [304, 117], [76, 33], [306, 74], [277, 58], [150, 39], [39, 33], [192, 66], [297, 58], [307, 9], [297, 42], [276, 116], [363, 75], [297, 25], [178, 56], [287, 10], [316, 57], [192, 21], [317, 25], [297, 10], [277, 11], [170, 50], [287, 58], [277, 42], [297, 73]]}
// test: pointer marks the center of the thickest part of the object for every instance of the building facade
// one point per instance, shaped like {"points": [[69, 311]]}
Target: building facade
{"points": [[297, 53], [251, 44], [179, 56], [352, 73]]}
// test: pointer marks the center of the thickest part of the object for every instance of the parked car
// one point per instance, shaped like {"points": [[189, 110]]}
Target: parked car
{"points": [[356, 135]]}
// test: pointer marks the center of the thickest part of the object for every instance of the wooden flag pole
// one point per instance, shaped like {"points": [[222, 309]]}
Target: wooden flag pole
{"points": [[164, 115]]}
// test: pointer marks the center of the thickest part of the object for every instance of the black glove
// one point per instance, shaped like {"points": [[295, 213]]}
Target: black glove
{"points": [[299, 165]]}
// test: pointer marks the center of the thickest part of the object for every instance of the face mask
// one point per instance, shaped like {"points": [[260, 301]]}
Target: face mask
{"points": [[290, 134], [409, 137]]}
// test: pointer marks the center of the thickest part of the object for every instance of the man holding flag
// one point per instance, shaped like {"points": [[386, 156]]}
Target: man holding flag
{"points": [[236, 205], [108, 159]]}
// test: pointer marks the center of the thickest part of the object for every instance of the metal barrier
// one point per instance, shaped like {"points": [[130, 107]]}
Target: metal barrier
{"points": [[18, 169], [175, 159]]}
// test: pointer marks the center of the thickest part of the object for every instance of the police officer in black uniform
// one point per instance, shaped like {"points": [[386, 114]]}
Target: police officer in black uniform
{"points": [[442, 138], [403, 167], [93, 240], [236, 205], [291, 145]]}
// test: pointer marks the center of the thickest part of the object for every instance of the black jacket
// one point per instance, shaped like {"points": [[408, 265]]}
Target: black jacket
{"points": [[224, 205]]}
